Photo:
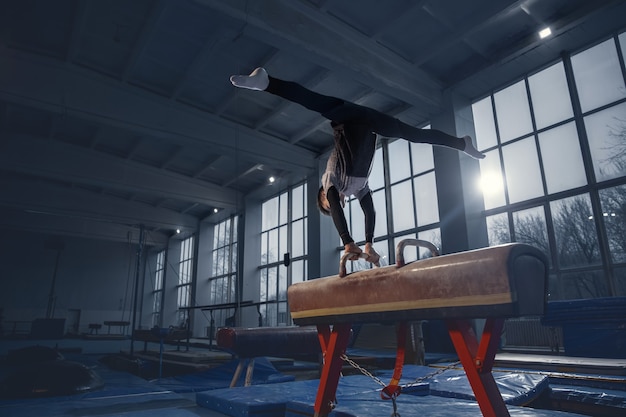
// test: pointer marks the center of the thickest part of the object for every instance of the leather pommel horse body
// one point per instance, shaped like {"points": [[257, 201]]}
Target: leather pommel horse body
{"points": [[490, 283]]}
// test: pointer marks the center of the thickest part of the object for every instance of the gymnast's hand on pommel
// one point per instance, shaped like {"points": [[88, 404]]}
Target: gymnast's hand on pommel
{"points": [[352, 248], [372, 255]]}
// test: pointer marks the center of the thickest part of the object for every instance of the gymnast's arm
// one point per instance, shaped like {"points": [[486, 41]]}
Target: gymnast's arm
{"points": [[367, 205], [336, 212]]}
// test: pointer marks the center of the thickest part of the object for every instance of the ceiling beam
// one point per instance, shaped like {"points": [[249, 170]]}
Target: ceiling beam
{"points": [[78, 25], [31, 155], [58, 225], [145, 36], [304, 31], [64, 202], [47, 84]]}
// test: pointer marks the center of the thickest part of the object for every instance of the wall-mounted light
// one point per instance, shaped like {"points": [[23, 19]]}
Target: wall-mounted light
{"points": [[177, 231], [545, 32], [215, 210], [271, 180]]}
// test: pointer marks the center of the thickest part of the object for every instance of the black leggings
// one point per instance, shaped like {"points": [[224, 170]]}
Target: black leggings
{"points": [[340, 111]]}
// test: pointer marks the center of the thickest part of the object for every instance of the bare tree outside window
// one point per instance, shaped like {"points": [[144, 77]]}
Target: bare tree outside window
{"points": [[613, 202], [529, 226], [575, 232]]}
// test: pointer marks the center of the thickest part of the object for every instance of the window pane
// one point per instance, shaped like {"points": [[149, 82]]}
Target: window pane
{"points": [[297, 272], [402, 205], [282, 282], [498, 229], [433, 236], [263, 285], [484, 124], [264, 255], [216, 235], [422, 158], [271, 315], [222, 234], [581, 285], [491, 181], [297, 202], [377, 176], [270, 213], [426, 204], [282, 245], [513, 112], [599, 79], [219, 261], [410, 251], [272, 283], [606, 132], [297, 238], [575, 231], [521, 165], [562, 159], [613, 202], [283, 208], [233, 258], [382, 249], [550, 96], [272, 250], [399, 163], [530, 227], [381, 213]]}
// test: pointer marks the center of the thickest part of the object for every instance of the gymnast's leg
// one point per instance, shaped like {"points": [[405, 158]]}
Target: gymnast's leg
{"points": [[338, 110], [391, 127], [289, 90]]}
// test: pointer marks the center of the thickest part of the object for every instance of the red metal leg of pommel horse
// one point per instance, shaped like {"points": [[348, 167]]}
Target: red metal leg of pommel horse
{"points": [[334, 343], [477, 360]]}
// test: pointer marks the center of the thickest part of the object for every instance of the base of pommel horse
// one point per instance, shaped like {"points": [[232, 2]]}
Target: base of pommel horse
{"points": [[491, 283]]}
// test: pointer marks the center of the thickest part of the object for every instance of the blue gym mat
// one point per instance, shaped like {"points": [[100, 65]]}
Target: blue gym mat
{"points": [[516, 388], [359, 395], [409, 406]]}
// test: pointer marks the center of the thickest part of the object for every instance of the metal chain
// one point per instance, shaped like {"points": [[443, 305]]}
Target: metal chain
{"points": [[419, 380], [433, 374], [394, 413], [364, 371]]}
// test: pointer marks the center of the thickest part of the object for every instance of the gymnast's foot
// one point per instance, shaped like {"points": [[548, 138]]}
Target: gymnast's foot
{"points": [[471, 150], [257, 80], [372, 255]]}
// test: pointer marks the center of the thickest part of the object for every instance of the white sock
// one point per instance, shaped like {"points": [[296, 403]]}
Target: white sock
{"points": [[257, 80], [471, 150]]}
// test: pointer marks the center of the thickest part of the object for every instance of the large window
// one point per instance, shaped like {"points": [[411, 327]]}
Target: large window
{"points": [[283, 252], [555, 170], [157, 290], [223, 281], [185, 278], [406, 205]]}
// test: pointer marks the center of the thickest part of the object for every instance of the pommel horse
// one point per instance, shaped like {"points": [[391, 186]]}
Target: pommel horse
{"points": [[491, 283]]}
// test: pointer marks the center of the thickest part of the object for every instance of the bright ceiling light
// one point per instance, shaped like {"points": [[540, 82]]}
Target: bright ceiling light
{"points": [[544, 33], [272, 179]]}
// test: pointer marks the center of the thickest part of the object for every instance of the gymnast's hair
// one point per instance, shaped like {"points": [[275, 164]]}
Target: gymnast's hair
{"points": [[320, 206]]}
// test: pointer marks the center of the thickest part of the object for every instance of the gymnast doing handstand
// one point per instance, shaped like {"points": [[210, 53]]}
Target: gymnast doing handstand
{"points": [[355, 130]]}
